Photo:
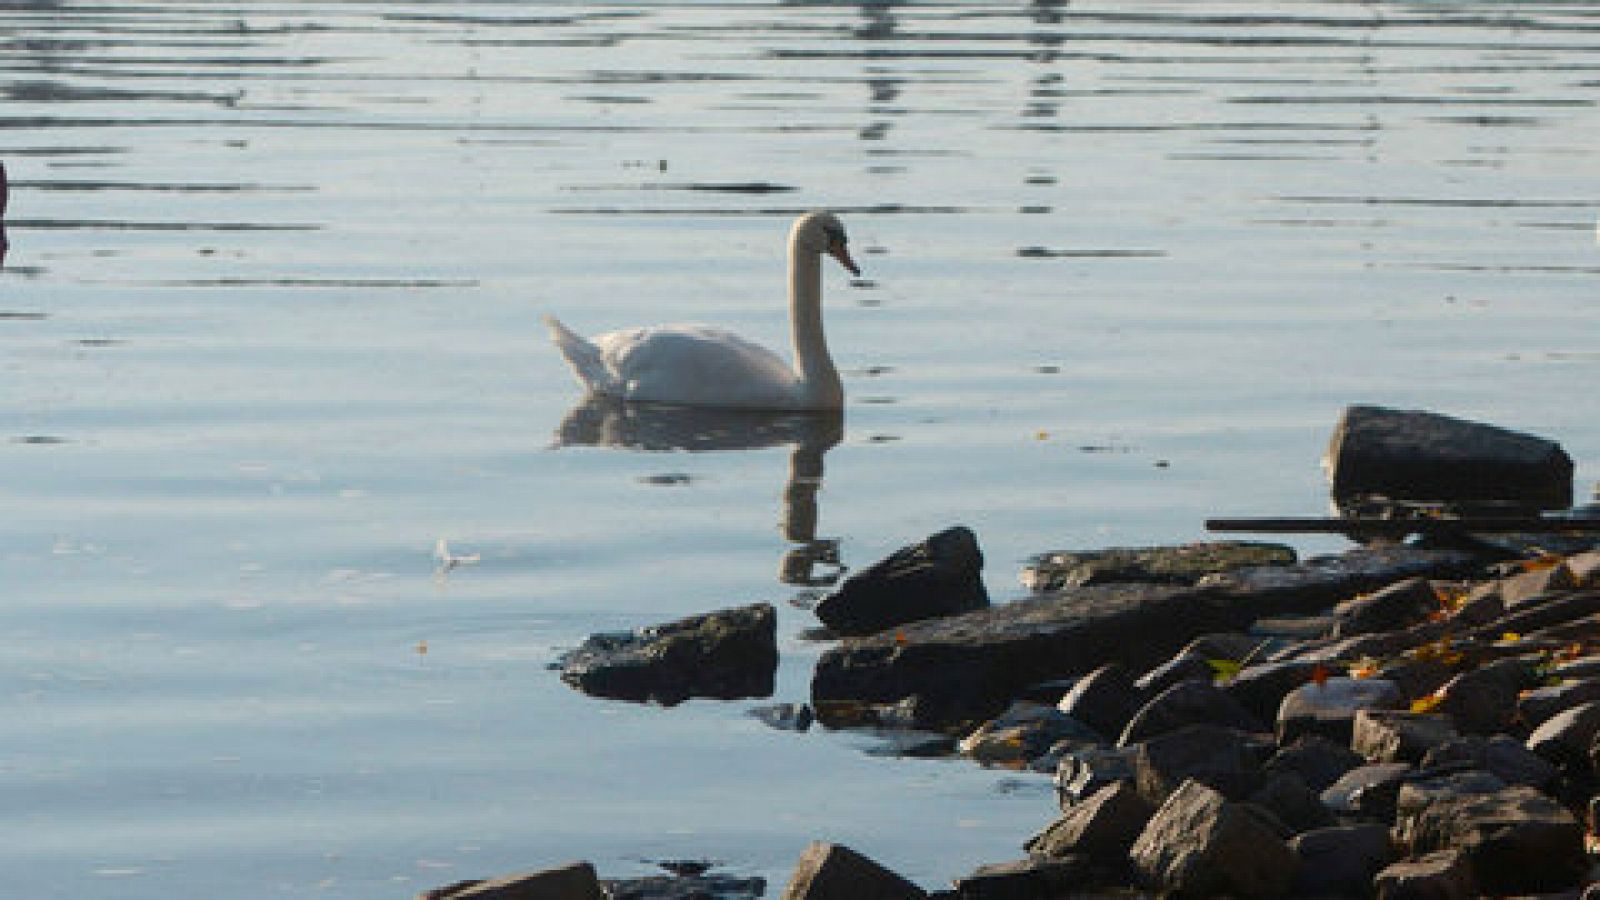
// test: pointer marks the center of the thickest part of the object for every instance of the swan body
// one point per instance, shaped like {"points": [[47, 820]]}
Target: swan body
{"points": [[699, 365]]}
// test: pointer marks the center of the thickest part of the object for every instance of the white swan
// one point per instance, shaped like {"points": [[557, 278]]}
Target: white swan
{"points": [[696, 365]]}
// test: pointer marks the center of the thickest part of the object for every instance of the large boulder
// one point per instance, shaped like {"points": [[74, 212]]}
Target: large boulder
{"points": [[1424, 457], [1102, 827], [1517, 840], [1199, 844], [1188, 703], [729, 654], [1104, 699], [1328, 707], [1181, 564], [1341, 860], [574, 881], [835, 872], [1389, 735], [940, 576], [1221, 758], [1446, 875], [1501, 755]]}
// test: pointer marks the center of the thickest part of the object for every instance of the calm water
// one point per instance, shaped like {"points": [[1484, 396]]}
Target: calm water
{"points": [[270, 331]]}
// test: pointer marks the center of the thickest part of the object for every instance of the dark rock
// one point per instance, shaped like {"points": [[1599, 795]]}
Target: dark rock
{"points": [[1185, 666], [1367, 792], [1479, 702], [1501, 755], [1211, 754], [1422, 457], [1187, 703], [1199, 844], [726, 655], [686, 887], [912, 744], [1518, 841], [1023, 732], [1400, 604], [1329, 707], [1340, 861], [1482, 605], [1102, 827], [785, 716], [1260, 688], [1445, 875], [1318, 761], [1104, 699], [574, 881], [1185, 564], [1084, 771], [1564, 738], [835, 872], [1416, 677], [1582, 668], [967, 668], [939, 577], [1424, 791], [1550, 611], [1023, 879], [1286, 796], [1390, 735], [1537, 705]]}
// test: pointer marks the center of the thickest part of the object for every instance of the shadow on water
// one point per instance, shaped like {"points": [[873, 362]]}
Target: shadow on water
{"points": [[605, 422]]}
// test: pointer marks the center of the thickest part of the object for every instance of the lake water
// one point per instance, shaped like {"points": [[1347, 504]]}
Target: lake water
{"points": [[270, 331]]}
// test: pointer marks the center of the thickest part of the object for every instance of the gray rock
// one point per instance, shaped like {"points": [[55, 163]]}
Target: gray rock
{"points": [[1479, 702], [1340, 861], [1531, 587], [1391, 735], [1445, 875], [835, 872], [1416, 456], [1329, 708], [1022, 733], [1550, 611], [1502, 755], [1102, 827], [941, 576], [574, 881], [685, 887], [1199, 844], [1219, 757], [1104, 699], [1286, 796], [1518, 841], [1539, 704], [1396, 606], [1187, 703], [1367, 792], [1260, 688], [1318, 761], [1184, 564], [1424, 791], [727, 655], [1564, 738], [1084, 771], [1023, 879]]}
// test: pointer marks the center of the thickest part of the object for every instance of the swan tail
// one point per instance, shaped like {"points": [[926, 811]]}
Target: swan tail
{"points": [[582, 355]]}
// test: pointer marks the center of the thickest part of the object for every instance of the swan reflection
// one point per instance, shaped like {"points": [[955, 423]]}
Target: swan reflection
{"points": [[607, 422]]}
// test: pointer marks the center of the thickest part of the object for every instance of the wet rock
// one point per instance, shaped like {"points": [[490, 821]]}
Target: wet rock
{"points": [[1397, 735], [1564, 738], [1220, 757], [1023, 732], [1318, 761], [1313, 585], [1185, 564], [1102, 827], [785, 716], [1260, 688], [1024, 879], [1445, 875], [1199, 844], [1479, 702], [835, 872], [685, 887], [1084, 771], [1340, 861], [1329, 707], [1424, 457], [940, 576], [1536, 706], [1368, 792], [912, 744], [1187, 703], [574, 881], [1518, 841], [1400, 604], [725, 655], [1104, 699], [1500, 754]]}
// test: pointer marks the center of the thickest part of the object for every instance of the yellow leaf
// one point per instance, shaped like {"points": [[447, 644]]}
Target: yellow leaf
{"points": [[1510, 637], [1225, 669], [1426, 704]]}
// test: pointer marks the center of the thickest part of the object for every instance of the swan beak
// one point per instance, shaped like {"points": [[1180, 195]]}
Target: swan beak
{"points": [[837, 250]]}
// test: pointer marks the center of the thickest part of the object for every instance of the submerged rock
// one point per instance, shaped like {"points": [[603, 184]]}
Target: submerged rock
{"points": [[727, 655], [940, 576], [1182, 564]]}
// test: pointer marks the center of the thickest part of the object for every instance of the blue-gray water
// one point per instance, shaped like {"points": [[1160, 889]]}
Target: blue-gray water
{"points": [[269, 330]]}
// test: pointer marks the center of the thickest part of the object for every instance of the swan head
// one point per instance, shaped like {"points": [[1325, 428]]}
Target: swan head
{"points": [[822, 232]]}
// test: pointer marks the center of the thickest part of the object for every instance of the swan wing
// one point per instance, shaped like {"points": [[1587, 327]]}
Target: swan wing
{"points": [[697, 365], [586, 358]]}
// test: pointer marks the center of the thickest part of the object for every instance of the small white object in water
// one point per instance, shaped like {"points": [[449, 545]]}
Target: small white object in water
{"points": [[448, 560]]}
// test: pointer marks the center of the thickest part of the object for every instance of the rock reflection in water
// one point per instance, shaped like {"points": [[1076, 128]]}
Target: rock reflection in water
{"points": [[607, 422]]}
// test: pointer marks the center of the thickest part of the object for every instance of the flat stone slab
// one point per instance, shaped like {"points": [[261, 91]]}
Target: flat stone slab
{"points": [[1180, 564]]}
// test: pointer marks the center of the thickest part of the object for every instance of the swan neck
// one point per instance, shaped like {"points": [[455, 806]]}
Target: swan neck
{"points": [[819, 379]]}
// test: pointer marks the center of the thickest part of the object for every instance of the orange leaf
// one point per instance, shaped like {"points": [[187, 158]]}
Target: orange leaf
{"points": [[1319, 674]]}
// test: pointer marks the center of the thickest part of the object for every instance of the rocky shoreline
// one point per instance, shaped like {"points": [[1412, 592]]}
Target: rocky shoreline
{"points": [[1402, 720]]}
